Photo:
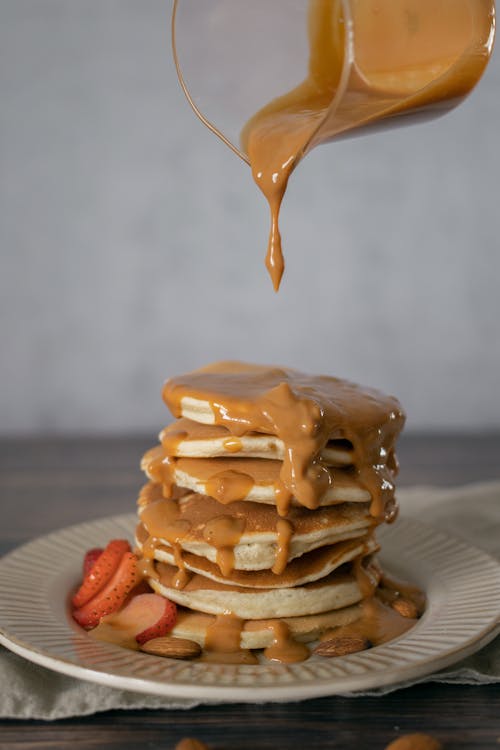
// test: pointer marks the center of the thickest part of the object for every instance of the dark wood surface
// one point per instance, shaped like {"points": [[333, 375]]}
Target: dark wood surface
{"points": [[49, 483]]}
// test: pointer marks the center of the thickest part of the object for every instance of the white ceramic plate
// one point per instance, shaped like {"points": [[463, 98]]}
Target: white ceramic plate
{"points": [[463, 614]]}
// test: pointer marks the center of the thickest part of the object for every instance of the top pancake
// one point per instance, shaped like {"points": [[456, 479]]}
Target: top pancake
{"points": [[241, 397]]}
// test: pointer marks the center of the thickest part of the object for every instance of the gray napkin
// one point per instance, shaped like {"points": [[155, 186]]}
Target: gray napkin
{"points": [[28, 691]]}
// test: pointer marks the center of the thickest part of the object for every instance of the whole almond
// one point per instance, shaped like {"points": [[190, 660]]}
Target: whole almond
{"points": [[174, 648], [189, 743], [415, 742], [342, 646], [406, 608]]}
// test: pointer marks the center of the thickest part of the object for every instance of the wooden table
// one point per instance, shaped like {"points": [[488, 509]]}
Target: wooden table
{"points": [[47, 484]]}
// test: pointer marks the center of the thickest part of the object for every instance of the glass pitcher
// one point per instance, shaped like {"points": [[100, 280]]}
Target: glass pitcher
{"points": [[274, 78], [389, 62]]}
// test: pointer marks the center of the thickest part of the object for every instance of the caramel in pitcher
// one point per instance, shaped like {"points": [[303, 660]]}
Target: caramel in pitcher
{"points": [[370, 60], [371, 63]]}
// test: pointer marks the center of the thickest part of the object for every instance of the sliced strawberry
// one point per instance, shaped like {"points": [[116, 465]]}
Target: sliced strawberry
{"points": [[145, 616], [101, 572], [163, 624], [90, 559], [142, 588], [112, 596]]}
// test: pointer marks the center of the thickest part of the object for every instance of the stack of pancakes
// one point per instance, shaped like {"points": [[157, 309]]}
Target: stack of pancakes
{"points": [[263, 496]]}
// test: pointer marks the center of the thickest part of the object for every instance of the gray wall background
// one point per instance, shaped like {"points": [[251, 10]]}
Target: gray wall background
{"points": [[132, 241]]}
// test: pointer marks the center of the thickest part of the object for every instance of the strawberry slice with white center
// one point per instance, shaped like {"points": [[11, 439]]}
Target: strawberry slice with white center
{"points": [[101, 572], [155, 628], [112, 596], [144, 617]]}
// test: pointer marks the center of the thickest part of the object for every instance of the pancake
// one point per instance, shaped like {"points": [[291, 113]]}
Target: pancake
{"points": [[263, 497], [311, 567], [257, 634], [252, 479], [187, 439], [258, 535], [340, 589]]}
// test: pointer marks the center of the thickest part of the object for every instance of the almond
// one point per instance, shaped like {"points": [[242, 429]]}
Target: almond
{"points": [[415, 742], [406, 608], [174, 648], [342, 646], [189, 743]]}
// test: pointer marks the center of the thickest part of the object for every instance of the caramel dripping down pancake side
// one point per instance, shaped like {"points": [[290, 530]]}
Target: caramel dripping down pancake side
{"points": [[305, 413]]}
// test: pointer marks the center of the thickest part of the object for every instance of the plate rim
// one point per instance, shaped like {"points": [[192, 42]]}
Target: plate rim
{"points": [[233, 693]]}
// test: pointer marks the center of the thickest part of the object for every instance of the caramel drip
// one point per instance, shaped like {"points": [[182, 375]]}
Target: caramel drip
{"points": [[284, 531], [379, 481], [379, 621], [378, 624], [275, 138], [284, 648], [170, 439], [228, 486], [160, 468], [162, 520], [365, 576], [283, 498], [152, 464], [182, 576], [147, 494], [303, 412], [224, 533], [232, 444], [244, 656], [146, 565], [223, 635]]}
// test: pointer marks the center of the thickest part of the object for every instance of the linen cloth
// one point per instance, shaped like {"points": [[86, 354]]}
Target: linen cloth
{"points": [[472, 512]]}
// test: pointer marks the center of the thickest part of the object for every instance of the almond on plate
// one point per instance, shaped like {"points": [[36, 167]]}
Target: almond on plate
{"points": [[342, 646], [174, 648]]}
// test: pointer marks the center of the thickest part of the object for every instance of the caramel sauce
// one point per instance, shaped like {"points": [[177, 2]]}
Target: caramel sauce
{"points": [[159, 467], [303, 411], [170, 439], [228, 486], [161, 518], [110, 630], [284, 648], [224, 533], [232, 444], [419, 58], [146, 563], [244, 656], [323, 567], [199, 510], [223, 639], [366, 574], [182, 577], [284, 531], [378, 624]]}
